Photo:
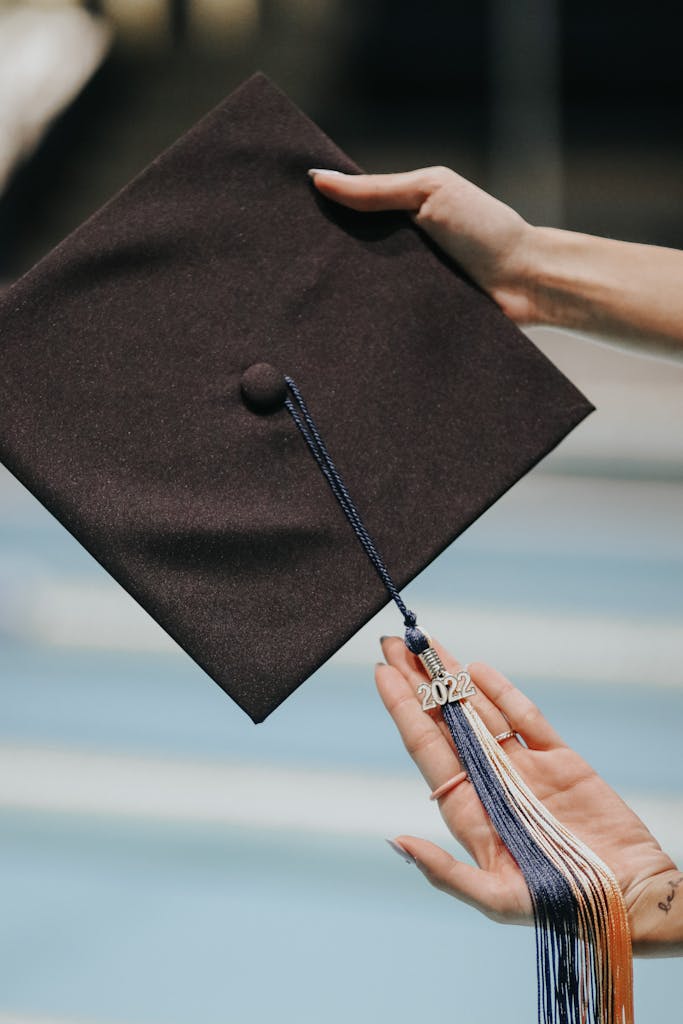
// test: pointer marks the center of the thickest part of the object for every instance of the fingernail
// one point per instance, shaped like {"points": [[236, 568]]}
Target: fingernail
{"points": [[383, 638], [312, 171], [401, 851], [380, 664]]}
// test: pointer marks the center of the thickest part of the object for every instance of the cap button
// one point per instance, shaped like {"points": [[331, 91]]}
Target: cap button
{"points": [[264, 388]]}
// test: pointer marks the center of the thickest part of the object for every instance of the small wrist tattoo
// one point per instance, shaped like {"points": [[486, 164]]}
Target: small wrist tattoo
{"points": [[673, 885]]}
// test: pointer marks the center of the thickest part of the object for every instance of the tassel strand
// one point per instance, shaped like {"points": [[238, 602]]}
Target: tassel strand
{"points": [[583, 942]]}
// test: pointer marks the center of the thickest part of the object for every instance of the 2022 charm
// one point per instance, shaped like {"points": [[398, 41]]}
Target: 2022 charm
{"points": [[446, 689]]}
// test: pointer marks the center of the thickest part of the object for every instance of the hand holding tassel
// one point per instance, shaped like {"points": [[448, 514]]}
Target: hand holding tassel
{"points": [[567, 786]]}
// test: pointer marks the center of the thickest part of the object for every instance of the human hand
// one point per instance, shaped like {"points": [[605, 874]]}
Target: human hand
{"points": [[626, 293], [485, 237], [570, 789]]}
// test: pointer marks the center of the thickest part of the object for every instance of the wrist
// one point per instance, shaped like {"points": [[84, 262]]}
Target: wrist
{"points": [[513, 279], [540, 281], [561, 285], [656, 916]]}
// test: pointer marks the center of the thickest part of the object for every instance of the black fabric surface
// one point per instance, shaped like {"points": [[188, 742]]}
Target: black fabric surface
{"points": [[122, 408]]}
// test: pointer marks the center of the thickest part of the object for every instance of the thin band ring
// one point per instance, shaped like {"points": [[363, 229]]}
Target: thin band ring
{"points": [[448, 785], [505, 735]]}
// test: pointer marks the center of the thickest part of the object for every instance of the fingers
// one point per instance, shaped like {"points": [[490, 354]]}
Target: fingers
{"points": [[403, 191], [398, 655], [412, 669], [429, 743], [492, 717], [426, 743], [479, 888], [522, 714]]}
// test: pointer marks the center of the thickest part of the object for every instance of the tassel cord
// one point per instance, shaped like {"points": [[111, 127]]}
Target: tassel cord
{"points": [[311, 435]]}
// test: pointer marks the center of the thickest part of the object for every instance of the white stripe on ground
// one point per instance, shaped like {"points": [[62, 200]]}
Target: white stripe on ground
{"points": [[249, 796], [527, 643]]}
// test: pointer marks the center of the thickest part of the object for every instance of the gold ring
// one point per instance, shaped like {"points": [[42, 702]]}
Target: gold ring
{"points": [[505, 735]]}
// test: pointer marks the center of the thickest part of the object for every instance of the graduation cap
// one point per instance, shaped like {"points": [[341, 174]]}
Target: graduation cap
{"points": [[144, 400]]}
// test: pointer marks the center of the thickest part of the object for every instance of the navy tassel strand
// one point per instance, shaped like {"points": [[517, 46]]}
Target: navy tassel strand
{"points": [[551, 895]]}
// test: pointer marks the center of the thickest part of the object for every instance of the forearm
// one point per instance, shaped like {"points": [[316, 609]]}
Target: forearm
{"points": [[657, 917], [623, 292]]}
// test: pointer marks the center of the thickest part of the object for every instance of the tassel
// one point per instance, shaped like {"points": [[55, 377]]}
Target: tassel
{"points": [[583, 943]]}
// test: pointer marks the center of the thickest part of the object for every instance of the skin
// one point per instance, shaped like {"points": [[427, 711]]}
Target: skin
{"points": [[557, 775], [621, 292]]}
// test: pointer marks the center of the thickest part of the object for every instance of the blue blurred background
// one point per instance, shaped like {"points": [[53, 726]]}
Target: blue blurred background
{"points": [[161, 858]]}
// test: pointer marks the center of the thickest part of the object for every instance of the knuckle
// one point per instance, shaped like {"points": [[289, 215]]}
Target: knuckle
{"points": [[374, 187], [530, 716], [478, 668], [438, 176], [506, 691], [436, 879], [429, 212], [484, 669], [433, 208], [421, 742], [407, 700]]}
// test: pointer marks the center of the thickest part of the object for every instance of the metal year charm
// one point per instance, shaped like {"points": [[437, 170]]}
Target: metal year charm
{"points": [[444, 688]]}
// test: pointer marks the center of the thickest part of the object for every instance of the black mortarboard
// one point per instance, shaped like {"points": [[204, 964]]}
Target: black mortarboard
{"points": [[141, 396]]}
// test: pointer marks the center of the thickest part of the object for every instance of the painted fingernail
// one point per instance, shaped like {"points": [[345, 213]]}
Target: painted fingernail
{"points": [[312, 171], [401, 851], [383, 638]]}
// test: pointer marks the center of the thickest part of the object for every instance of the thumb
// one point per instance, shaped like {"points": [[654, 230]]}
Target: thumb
{"points": [[406, 190], [470, 884]]}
